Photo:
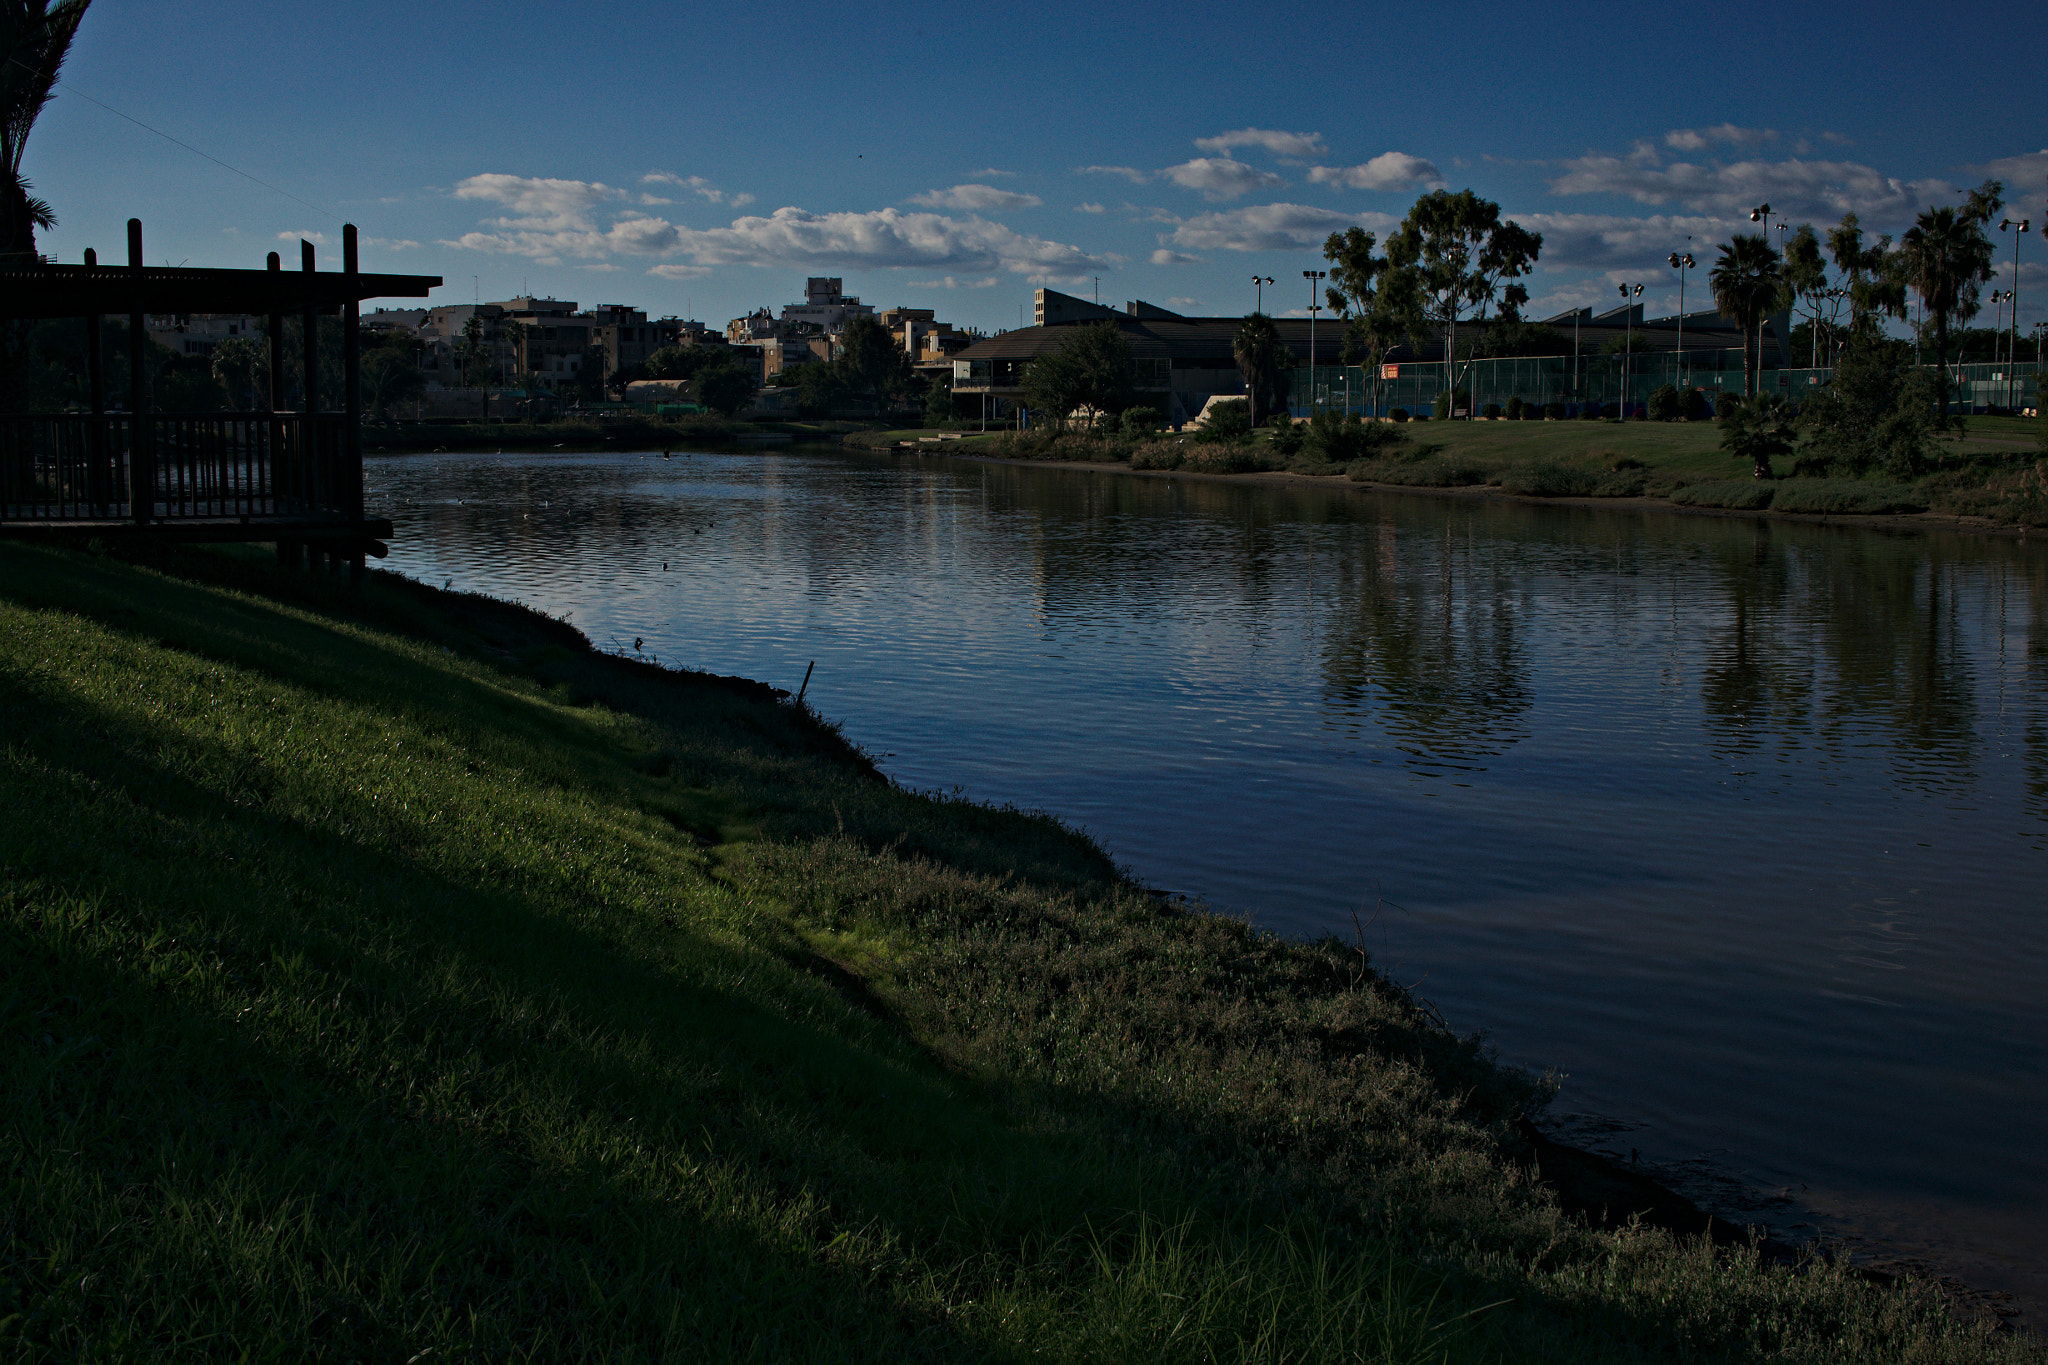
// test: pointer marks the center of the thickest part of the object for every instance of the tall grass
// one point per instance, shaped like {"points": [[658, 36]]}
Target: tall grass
{"points": [[387, 976]]}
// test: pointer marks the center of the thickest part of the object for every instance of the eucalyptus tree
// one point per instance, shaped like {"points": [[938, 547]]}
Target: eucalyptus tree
{"points": [[1264, 360], [1745, 284], [34, 36], [1092, 367], [1876, 288], [1380, 305], [1808, 288], [1947, 256], [1461, 253]]}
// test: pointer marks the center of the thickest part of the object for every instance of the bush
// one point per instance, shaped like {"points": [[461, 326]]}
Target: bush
{"points": [[1341, 437], [1141, 421], [1589, 411], [1491, 412], [1287, 437], [1553, 412], [1158, 455], [1227, 422], [1446, 400], [1227, 459], [1693, 406], [1663, 405], [1397, 414], [1876, 410], [1623, 483], [1430, 472], [1725, 403], [1548, 481], [1515, 409], [1747, 495], [1845, 495], [1611, 411]]}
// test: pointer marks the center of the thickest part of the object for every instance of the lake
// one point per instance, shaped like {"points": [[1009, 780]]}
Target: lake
{"points": [[1740, 827]]}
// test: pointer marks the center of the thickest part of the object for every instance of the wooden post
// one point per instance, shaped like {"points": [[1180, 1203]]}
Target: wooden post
{"points": [[351, 395], [95, 363], [312, 324], [276, 350], [141, 476]]}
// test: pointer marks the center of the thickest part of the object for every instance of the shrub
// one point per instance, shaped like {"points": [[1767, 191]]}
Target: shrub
{"points": [[1747, 495], [1426, 473], [1341, 437], [1491, 412], [1158, 455], [1227, 422], [1611, 411], [1624, 483], [1398, 414], [1589, 411], [1845, 495], [1876, 410], [1547, 480], [1663, 405], [1287, 436], [1227, 459], [1725, 403], [1142, 421], [1693, 406], [1515, 408], [1446, 400], [1553, 412]]}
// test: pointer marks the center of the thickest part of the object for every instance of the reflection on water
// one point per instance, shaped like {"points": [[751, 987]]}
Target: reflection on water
{"points": [[1741, 826]]}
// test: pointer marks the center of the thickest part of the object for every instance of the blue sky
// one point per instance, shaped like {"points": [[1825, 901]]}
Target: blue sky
{"points": [[700, 162]]}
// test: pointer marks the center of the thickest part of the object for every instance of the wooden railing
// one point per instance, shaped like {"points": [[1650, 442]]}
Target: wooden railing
{"points": [[171, 467]]}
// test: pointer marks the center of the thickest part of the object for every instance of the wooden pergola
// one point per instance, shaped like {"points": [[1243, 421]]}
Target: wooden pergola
{"points": [[294, 478]]}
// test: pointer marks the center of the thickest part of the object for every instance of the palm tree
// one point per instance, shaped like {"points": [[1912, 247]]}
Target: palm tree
{"points": [[1746, 285], [34, 36], [1262, 358], [1947, 256]]}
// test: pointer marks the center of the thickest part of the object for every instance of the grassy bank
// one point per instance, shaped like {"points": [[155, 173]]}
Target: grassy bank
{"points": [[386, 974], [1992, 470]]}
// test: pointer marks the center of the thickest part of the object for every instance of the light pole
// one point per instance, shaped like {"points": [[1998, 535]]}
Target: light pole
{"points": [[1998, 300], [2014, 351], [1681, 264], [1259, 282], [1315, 280], [1629, 293], [1761, 214]]}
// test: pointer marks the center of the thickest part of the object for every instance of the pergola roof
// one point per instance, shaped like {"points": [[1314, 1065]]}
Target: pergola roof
{"points": [[70, 291]]}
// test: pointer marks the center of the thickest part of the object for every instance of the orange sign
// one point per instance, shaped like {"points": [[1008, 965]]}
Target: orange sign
{"points": [[1390, 371]]}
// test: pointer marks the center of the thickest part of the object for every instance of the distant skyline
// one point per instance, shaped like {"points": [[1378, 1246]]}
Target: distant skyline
{"points": [[703, 165]]}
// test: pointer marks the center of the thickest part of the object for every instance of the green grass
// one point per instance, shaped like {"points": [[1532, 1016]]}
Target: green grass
{"points": [[385, 976]]}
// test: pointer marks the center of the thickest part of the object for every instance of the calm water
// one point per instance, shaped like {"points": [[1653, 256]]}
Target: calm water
{"points": [[1740, 827]]}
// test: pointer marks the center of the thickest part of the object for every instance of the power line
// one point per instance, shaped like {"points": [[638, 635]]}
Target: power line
{"points": [[67, 86]]}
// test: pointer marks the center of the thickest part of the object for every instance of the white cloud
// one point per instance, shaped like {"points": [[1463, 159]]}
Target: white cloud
{"points": [[976, 198], [392, 243], [1181, 301], [602, 267], [880, 239], [988, 173], [680, 272], [949, 282], [316, 238], [1599, 241], [1165, 257], [2020, 173], [1220, 177], [1130, 173], [1796, 188], [542, 205], [1274, 141], [695, 184], [1088, 208], [1387, 171], [1270, 227], [1699, 139]]}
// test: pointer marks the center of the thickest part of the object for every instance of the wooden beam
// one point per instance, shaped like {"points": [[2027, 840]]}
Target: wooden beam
{"points": [[141, 478], [311, 340]]}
